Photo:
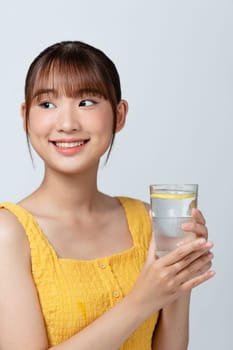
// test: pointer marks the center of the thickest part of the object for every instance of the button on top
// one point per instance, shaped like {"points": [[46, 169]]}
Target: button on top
{"points": [[116, 294], [102, 265]]}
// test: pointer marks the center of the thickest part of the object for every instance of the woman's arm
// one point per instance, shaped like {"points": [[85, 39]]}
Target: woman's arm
{"points": [[160, 283], [172, 331], [21, 321]]}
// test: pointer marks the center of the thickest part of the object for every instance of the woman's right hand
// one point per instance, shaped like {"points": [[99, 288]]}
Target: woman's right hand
{"points": [[164, 279]]}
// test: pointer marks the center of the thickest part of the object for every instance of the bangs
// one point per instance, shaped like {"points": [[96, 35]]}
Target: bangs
{"points": [[70, 78]]}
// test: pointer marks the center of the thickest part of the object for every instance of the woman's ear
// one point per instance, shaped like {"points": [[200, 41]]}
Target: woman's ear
{"points": [[23, 115], [122, 109]]}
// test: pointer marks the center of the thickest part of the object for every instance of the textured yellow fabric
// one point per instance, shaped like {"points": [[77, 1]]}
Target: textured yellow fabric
{"points": [[73, 293]]}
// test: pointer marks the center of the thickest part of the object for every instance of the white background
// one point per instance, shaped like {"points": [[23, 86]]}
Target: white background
{"points": [[175, 60]]}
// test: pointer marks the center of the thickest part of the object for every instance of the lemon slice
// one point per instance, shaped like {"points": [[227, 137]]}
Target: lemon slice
{"points": [[173, 195]]}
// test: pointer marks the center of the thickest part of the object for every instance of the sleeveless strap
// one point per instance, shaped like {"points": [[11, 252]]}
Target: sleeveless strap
{"points": [[37, 240], [138, 220]]}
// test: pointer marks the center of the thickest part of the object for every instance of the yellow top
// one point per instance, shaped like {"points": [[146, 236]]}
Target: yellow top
{"points": [[73, 293]]}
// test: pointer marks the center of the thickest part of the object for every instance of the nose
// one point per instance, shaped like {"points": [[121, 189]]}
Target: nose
{"points": [[68, 120]]}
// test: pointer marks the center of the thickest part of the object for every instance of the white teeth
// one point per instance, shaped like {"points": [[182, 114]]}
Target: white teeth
{"points": [[69, 144]]}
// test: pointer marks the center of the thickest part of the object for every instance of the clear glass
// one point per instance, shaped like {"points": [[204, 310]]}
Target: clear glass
{"points": [[171, 206]]}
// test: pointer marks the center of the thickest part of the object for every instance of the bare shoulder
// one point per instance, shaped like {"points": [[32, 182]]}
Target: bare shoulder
{"points": [[9, 224], [12, 236]]}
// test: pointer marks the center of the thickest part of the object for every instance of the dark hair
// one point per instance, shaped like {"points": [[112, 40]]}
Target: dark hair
{"points": [[73, 68]]}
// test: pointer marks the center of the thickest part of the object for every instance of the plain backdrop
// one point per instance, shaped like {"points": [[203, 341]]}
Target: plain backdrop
{"points": [[175, 60]]}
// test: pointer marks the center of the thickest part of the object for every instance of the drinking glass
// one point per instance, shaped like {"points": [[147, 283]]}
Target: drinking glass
{"points": [[171, 206]]}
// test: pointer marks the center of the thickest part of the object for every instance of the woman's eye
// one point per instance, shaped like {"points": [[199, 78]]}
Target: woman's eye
{"points": [[47, 105], [86, 103]]}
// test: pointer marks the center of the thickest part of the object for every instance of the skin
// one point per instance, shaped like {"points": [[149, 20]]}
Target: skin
{"points": [[68, 198]]}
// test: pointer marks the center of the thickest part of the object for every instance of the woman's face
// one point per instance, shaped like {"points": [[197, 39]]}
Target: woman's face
{"points": [[71, 134]]}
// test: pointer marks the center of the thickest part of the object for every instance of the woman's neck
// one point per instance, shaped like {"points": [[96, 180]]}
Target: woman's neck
{"points": [[65, 193]]}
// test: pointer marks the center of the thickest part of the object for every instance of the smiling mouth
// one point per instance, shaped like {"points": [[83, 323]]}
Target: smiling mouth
{"points": [[72, 144]]}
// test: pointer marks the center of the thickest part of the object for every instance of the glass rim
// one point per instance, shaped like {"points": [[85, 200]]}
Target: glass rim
{"points": [[174, 187]]}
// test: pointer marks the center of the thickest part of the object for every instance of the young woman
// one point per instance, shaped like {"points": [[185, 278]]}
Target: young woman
{"points": [[78, 267]]}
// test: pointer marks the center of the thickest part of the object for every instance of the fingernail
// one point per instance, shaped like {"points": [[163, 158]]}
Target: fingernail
{"points": [[201, 241], [212, 273], [209, 244]]}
